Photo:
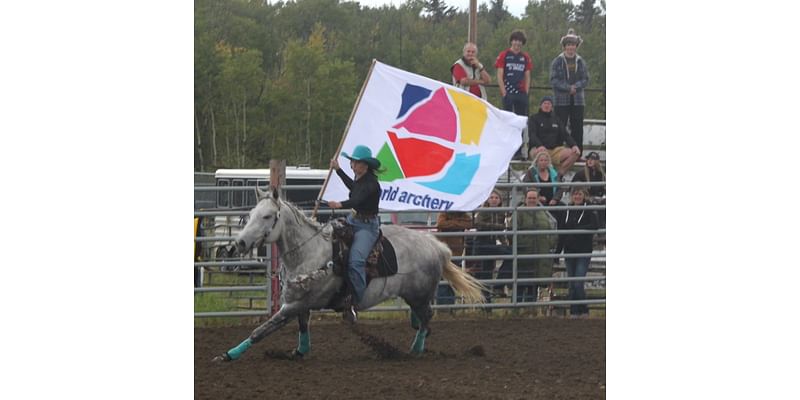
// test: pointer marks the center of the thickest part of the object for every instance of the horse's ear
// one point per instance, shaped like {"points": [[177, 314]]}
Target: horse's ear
{"points": [[261, 194]]}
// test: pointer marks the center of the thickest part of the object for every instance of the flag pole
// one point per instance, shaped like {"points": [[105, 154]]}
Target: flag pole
{"points": [[341, 142]]}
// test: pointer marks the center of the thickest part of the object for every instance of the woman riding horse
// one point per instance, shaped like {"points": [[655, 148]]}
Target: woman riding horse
{"points": [[365, 194]]}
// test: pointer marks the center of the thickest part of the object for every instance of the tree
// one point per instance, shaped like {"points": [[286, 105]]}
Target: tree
{"points": [[584, 13], [438, 10], [279, 79], [497, 13]]}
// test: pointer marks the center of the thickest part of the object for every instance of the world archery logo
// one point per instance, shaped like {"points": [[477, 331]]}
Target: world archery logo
{"points": [[435, 140]]}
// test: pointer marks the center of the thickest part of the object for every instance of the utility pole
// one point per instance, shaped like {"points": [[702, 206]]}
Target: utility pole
{"points": [[473, 22]]}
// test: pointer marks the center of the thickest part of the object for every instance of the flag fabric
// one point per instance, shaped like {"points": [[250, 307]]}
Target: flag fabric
{"points": [[440, 147]]}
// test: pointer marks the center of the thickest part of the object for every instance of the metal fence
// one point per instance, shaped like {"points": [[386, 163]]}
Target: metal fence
{"points": [[266, 266]]}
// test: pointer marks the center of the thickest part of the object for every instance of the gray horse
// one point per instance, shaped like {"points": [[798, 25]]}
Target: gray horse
{"points": [[310, 284]]}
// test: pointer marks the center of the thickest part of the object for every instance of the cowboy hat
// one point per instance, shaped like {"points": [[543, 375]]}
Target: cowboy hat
{"points": [[364, 154]]}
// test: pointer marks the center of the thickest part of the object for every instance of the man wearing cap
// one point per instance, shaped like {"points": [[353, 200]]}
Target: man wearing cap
{"points": [[468, 72], [569, 76], [365, 194], [547, 132]]}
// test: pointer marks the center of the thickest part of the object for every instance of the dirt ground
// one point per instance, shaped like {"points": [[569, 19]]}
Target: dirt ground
{"points": [[476, 358]]}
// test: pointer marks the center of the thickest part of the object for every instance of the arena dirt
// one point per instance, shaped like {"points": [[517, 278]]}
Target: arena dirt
{"points": [[478, 358]]}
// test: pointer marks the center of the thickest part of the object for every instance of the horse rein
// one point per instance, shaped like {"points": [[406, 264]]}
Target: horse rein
{"points": [[321, 229]]}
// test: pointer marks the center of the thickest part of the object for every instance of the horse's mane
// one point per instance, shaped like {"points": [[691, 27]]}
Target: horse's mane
{"points": [[300, 216]]}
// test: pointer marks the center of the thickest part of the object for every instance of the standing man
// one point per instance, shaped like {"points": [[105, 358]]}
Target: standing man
{"points": [[468, 73], [569, 76], [514, 77]]}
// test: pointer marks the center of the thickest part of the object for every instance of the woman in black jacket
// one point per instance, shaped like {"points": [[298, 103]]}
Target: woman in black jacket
{"points": [[547, 132], [577, 243]]}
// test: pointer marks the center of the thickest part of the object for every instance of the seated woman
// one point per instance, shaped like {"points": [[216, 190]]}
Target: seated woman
{"points": [[593, 172], [491, 244], [542, 171]]}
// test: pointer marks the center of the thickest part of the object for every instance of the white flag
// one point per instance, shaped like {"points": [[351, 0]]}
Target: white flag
{"points": [[440, 148]]}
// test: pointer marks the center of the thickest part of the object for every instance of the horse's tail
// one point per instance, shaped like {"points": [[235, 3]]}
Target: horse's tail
{"points": [[465, 284]]}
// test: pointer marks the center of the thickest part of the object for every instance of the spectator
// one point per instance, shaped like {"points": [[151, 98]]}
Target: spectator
{"points": [[494, 244], [542, 171], [577, 243], [533, 220], [569, 76], [547, 132], [454, 221], [514, 77], [468, 72], [595, 173]]}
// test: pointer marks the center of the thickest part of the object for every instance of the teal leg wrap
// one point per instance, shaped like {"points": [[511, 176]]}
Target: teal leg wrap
{"points": [[304, 343], [419, 342], [414, 320], [237, 351]]}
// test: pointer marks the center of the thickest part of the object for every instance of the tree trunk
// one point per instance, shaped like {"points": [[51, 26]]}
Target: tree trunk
{"points": [[213, 136], [199, 140], [308, 121], [236, 145], [244, 132], [321, 137]]}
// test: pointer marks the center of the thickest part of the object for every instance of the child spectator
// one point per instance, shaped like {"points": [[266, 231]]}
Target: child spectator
{"points": [[514, 77], [569, 76]]}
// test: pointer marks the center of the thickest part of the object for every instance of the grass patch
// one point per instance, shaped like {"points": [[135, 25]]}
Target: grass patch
{"points": [[256, 301]]}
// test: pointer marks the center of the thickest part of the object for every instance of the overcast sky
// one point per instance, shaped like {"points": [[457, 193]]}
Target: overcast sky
{"points": [[515, 7]]}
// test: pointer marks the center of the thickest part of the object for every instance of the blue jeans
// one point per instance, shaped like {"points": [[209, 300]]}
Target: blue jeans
{"points": [[575, 115], [577, 267], [516, 103], [364, 236]]}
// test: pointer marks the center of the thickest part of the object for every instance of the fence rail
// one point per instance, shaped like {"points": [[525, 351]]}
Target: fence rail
{"points": [[267, 262]]}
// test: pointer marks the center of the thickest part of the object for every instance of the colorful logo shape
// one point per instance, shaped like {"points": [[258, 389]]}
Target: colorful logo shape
{"points": [[437, 124]]}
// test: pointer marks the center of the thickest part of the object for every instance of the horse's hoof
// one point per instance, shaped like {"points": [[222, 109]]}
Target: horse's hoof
{"points": [[220, 358], [296, 355]]}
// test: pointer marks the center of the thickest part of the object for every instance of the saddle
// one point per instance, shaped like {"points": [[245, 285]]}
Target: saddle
{"points": [[382, 260]]}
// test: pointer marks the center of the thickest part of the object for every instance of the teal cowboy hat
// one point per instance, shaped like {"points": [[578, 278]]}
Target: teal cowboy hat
{"points": [[364, 154]]}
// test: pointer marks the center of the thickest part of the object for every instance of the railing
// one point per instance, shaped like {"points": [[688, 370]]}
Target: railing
{"points": [[513, 188]]}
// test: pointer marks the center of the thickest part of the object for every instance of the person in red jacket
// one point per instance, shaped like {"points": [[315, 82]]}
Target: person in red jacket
{"points": [[469, 74], [514, 77]]}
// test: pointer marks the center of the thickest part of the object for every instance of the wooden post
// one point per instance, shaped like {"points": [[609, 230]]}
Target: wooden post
{"points": [[473, 22], [277, 179], [277, 173]]}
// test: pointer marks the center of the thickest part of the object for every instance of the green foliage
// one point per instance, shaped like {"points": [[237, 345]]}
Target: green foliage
{"points": [[279, 79]]}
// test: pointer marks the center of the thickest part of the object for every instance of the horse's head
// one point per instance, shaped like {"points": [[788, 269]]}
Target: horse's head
{"points": [[264, 224]]}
